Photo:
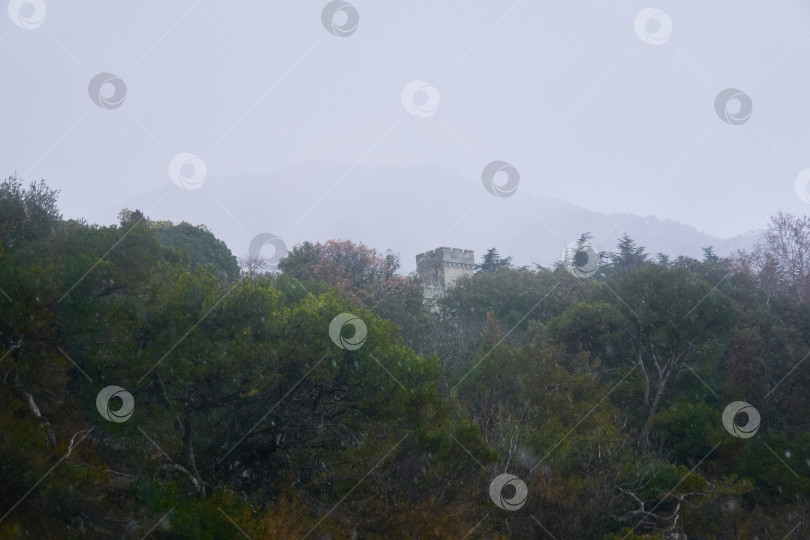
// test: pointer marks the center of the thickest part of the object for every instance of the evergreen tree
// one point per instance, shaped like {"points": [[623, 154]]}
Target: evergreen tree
{"points": [[629, 256], [492, 261]]}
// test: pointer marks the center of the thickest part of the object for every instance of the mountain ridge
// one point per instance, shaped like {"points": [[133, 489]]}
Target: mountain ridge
{"points": [[423, 208]]}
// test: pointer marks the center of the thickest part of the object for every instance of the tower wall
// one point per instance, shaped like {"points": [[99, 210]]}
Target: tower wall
{"points": [[440, 268]]}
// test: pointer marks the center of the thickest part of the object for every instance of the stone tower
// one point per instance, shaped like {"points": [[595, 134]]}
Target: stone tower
{"points": [[439, 268]]}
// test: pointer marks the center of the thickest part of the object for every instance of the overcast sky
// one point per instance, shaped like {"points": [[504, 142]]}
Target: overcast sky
{"points": [[588, 104]]}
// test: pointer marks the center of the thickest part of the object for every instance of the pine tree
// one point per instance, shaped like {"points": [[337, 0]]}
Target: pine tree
{"points": [[491, 261]]}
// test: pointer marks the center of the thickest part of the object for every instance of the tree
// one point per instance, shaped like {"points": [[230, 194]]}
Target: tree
{"points": [[201, 246], [492, 261], [655, 319], [358, 272], [709, 256], [781, 259], [629, 256], [196, 243], [26, 214], [674, 319], [520, 301], [367, 279]]}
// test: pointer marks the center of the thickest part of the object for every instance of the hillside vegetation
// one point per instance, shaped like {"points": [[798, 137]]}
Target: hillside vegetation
{"points": [[152, 387]]}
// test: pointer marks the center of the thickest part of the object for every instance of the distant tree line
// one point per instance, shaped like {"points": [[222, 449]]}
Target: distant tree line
{"points": [[604, 394]]}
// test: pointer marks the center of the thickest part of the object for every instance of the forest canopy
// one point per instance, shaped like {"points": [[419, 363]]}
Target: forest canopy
{"points": [[152, 387]]}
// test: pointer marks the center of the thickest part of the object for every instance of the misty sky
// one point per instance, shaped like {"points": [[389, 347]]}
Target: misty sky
{"points": [[571, 96]]}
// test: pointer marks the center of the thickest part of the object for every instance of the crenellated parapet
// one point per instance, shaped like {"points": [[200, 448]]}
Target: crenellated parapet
{"points": [[440, 267], [446, 255]]}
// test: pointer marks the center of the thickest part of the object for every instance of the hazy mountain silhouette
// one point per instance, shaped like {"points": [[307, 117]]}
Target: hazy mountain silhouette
{"points": [[409, 210]]}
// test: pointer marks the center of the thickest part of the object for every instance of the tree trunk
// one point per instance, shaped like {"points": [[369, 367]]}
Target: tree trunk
{"points": [[189, 459], [44, 421], [652, 408]]}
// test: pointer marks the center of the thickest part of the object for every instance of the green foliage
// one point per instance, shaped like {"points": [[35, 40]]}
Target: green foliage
{"points": [[685, 428], [492, 261], [26, 214], [201, 246], [604, 396], [629, 256]]}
